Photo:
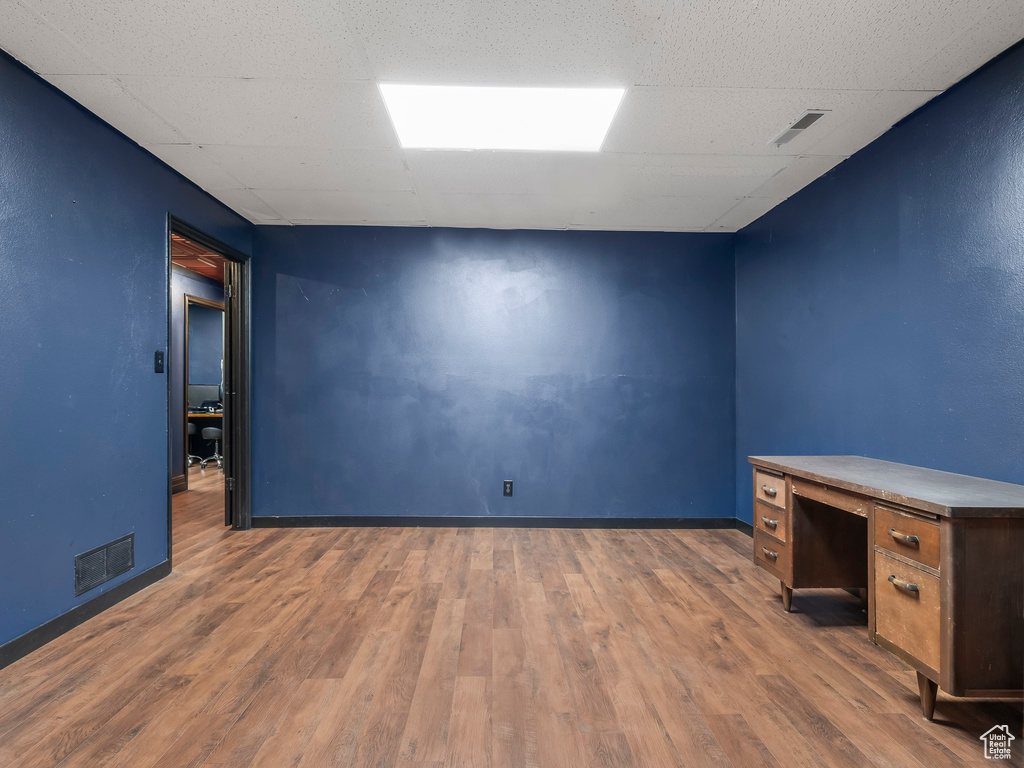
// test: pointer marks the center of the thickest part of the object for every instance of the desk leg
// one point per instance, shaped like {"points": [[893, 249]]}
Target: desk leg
{"points": [[787, 598], [928, 690]]}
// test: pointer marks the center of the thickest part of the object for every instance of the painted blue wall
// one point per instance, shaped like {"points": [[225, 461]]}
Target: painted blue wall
{"points": [[411, 371], [880, 311], [83, 306], [184, 282], [205, 344]]}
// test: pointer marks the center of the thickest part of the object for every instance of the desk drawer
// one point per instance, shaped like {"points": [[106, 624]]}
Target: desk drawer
{"points": [[832, 497], [771, 555], [907, 608], [771, 489], [911, 537], [771, 520]]}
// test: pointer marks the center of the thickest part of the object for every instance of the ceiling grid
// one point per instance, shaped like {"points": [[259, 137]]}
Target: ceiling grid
{"points": [[273, 105]]}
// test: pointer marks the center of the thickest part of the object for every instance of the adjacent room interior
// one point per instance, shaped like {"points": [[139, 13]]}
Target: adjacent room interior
{"points": [[196, 377], [476, 384]]}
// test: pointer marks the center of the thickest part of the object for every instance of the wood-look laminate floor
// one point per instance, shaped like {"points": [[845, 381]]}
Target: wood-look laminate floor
{"points": [[472, 647]]}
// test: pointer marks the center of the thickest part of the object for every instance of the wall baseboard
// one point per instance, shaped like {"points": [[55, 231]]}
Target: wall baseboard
{"points": [[179, 483], [746, 528], [24, 644], [391, 521]]}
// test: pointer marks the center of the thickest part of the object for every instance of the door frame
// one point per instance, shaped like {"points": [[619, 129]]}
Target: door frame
{"points": [[190, 299], [237, 423]]}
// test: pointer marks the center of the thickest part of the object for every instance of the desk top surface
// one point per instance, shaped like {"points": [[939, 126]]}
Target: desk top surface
{"points": [[944, 493], [205, 414]]}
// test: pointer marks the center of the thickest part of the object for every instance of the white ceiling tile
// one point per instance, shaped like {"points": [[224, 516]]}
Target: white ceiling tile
{"points": [[868, 44], [797, 175], [39, 46], [228, 38], [725, 165], [661, 176], [993, 33], [250, 206], [516, 173], [745, 211], [503, 211], [660, 213], [105, 97], [195, 164], [859, 129], [589, 177], [521, 42], [303, 113], [727, 121], [314, 167], [342, 207]]}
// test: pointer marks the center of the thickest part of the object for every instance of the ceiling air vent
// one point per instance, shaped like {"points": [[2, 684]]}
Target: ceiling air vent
{"points": [[98, 565], [810, 117]]}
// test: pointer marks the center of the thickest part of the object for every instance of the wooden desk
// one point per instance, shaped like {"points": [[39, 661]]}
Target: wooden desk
{"points": [[941, 557], [217, 415]]}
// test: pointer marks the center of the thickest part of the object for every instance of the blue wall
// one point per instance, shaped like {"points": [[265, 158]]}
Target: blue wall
{"points": [[205, 344], [880, 311], [83, 306], [411, 371], [184, 282]]}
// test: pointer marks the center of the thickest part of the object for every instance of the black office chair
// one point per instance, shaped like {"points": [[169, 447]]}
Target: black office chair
{"points": [[189, 458], [215, 434]]}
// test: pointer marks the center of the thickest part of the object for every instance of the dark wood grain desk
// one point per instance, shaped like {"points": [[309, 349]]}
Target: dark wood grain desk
{"points": [[941, 556]]}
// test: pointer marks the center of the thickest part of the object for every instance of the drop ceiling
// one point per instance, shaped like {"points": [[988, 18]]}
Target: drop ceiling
{"points": [[272, 105]]}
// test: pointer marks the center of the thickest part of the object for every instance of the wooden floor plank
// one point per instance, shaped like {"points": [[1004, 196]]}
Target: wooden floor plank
{"points": [[469, 741], [426, 731], [513, 736]]}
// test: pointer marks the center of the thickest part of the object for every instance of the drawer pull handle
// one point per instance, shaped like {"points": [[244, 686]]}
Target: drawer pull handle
{"points": [[772, 555], [769, 491], [769, 523], [906, 586], [904, 538]]}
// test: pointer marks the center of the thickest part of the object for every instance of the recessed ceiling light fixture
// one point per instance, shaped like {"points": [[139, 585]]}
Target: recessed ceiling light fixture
{"points": [[477, 117]]}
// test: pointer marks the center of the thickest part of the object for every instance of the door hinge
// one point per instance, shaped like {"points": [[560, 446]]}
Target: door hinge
{"points": [[231, 483], [229, 291]]}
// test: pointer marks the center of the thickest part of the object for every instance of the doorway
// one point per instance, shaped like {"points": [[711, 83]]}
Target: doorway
{"points": [[208, 382], [203, 366]]}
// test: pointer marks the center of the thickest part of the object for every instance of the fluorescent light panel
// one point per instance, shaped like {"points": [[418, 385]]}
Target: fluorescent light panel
{"points": [[476, 117]]}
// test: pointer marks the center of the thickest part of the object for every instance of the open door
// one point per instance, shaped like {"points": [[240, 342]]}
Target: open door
{"points": [[236, 396], [230, 388]]}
